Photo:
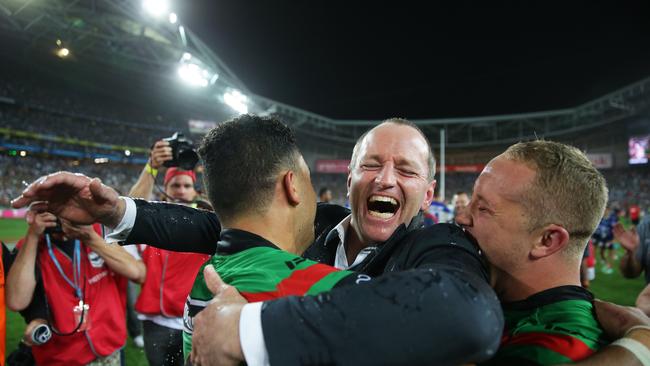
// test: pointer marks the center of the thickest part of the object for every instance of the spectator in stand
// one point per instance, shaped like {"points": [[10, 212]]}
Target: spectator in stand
{"points": [[635, 214], [170, 275], [460, 201], [324, 195], [83, 280]]}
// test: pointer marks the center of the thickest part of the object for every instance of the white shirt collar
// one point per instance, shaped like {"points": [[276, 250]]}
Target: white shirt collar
{"points": [[341, 259]]}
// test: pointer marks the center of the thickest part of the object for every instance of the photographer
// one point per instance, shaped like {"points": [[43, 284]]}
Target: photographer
{"points": [[175, 151], [170, 275], [83, 281]]}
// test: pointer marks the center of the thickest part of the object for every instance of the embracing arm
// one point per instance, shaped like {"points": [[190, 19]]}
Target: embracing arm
{"points": [[444, 302], [174, 227]]}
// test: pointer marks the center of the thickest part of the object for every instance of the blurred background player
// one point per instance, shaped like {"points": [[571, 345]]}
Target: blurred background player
{"points": [[460, 200], [325, 195]]}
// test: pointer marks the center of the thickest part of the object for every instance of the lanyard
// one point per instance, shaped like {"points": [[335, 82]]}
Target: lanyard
{"points": [[76, 266]]}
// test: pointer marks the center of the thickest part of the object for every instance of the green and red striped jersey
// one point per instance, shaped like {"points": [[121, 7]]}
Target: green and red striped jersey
{"points": [[259, 272], [551, 327]]}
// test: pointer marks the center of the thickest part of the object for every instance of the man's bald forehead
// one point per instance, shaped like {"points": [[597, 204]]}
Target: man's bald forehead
{"points": [[431, 162]]}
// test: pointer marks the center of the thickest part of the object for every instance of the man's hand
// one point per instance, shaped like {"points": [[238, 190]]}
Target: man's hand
{"points": [[215, 340], [629, 239], [616, 320], [160, 153], [84, 233], [74, 197], [38, 222]]}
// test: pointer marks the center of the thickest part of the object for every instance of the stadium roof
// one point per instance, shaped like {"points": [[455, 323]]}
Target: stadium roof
{"points": [[119, 37]]}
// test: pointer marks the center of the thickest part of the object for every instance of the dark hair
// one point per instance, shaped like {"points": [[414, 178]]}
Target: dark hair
{"points": [[242, 158], [322, 191]]}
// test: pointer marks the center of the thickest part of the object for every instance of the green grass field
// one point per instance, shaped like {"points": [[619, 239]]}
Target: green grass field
{"points": [[611, 287]]}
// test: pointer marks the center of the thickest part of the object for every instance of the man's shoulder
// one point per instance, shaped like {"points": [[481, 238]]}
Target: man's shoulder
{"points": [[438, 235]]}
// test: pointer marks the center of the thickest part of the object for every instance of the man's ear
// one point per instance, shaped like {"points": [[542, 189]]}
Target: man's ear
{"points": [[290, 188], [428, 196], [552, 239]]}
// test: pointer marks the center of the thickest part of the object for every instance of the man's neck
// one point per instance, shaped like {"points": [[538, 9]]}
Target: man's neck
{"points": [[527, 281], [274, 229], [353, 244]]}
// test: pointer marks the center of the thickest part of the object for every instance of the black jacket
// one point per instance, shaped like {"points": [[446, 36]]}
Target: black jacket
{"points": [[430, 305]]}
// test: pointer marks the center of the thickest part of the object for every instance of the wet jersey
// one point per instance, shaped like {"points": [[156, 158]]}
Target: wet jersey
{"points": [[554, 326], [260, 271]]}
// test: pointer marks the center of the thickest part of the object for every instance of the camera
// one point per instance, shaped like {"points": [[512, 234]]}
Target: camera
{"points": [[183, 153], [54, 229], [41, 334]]}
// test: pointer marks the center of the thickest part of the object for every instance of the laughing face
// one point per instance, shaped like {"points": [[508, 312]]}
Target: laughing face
{"points": [[388, 182]]}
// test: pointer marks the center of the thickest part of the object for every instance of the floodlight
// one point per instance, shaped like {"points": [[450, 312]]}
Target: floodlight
{"points": [[193, 74], [127, 152], [63, 52], [236, 100], [155, 7], [173, 18]]}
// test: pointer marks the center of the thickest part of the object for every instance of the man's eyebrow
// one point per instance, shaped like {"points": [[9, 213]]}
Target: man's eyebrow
{"points": [[483, 200]]}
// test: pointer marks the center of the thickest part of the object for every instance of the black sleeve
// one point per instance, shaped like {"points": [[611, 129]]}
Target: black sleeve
{"points": [[174, 227], [441, 313], [7, 258]]}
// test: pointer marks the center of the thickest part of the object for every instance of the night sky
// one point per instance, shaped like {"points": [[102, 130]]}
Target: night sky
{"points": [[348, 60]]}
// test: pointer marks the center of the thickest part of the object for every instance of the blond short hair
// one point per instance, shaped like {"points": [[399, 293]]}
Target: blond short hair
{"points": [[567, 189]]}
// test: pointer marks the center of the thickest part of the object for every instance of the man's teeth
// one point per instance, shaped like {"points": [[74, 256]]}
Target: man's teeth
{"points": [[383, 199], [381, 215]]}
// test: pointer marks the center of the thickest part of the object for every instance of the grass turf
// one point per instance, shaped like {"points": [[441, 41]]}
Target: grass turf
{"points": [[610, 287]]}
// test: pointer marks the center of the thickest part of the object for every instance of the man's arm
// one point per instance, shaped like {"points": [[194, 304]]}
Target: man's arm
{"points": [[418, 317], [175, 227], [444, 298], [143, 187], [619, 323], [116, 257], [83, 200], [629, 239], [21, 280], [643, 301]]}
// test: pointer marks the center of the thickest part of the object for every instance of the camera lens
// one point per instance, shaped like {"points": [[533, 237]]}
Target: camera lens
{"points": [[187, 159], [41, 334]]}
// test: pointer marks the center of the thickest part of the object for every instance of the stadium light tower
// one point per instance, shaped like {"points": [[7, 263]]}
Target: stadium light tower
{"points": [[236, 100], [156, 7]]}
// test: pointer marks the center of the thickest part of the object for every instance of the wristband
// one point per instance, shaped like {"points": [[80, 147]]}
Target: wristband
{"points": [[638, 349], [150, 170]]}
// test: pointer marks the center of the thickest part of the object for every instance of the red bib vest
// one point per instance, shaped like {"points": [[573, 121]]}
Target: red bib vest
{"points": [[106, 331], [170, 276]]}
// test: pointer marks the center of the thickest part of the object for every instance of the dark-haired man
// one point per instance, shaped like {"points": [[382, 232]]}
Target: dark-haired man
{"points": [[391, 180]]}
